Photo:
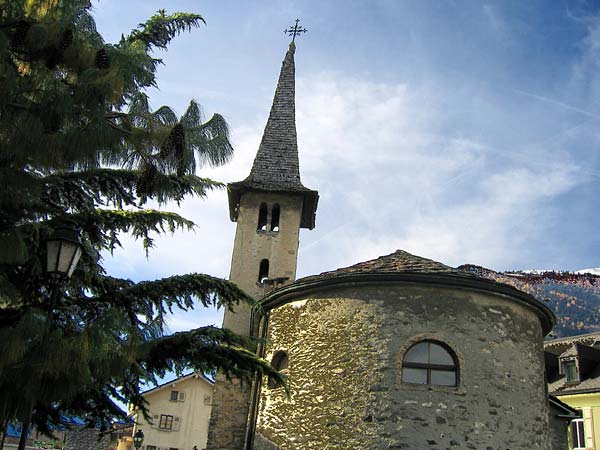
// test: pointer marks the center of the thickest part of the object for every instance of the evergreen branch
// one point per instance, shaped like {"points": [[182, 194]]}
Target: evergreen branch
{"points": [[183, 291], [211, 141], [165, 115], [209, 348], [118, 128], [160, 29], [9, 316], [102, 225], [85, 190], [79, 142]]}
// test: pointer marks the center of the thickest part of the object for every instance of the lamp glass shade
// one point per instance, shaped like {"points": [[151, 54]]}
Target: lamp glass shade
{"points": [[64, 250], [138, 438]]}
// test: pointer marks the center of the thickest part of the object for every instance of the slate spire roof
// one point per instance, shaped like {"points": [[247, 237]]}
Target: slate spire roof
{"points": [[276, 167]]}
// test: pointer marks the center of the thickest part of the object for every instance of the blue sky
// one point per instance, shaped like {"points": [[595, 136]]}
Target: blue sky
{"points": [[461, 131]]}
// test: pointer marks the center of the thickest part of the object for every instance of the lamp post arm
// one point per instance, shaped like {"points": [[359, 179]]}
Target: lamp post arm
{"points": [[55, 296]]}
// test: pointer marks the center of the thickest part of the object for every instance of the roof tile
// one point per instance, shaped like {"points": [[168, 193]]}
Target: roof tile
{"points": [[397, 262]]}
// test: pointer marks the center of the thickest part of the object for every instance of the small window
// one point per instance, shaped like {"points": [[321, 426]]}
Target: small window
{"points": [[280, 363], [174, 396], [577, 434], [429, 362], [166, 422], [150, 447], [570, 370], [263, 272], [262, 218], [275, 213]]}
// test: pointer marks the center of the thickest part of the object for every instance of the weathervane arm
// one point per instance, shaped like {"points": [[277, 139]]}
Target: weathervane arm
{"points": [[295, 30]]}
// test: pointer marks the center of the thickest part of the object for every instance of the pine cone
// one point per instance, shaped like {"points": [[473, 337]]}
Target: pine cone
{"points": [[67, 39], [102, 59], [147, 181], [21, 31], [174, 143], [177, 136]]}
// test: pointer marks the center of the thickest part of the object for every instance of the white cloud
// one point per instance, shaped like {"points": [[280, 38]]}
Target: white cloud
{"points": [[393, 171], [392, 174]]}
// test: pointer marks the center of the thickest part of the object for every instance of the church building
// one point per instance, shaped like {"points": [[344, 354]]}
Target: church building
{"points": [[400, 352]]}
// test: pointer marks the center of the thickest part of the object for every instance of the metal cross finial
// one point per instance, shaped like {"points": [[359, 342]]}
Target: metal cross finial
{"points": [[295, 31]]}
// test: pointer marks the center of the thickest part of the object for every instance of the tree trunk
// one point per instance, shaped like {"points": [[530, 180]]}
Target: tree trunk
{"points": [[23, 440], [4, 430]]}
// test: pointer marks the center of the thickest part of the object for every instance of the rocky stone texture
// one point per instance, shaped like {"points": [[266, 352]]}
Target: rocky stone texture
{"points": [[345, 347], [76, 438], [559, 431], [227, 429], [252, 246], [262, 443], [86, 439]]}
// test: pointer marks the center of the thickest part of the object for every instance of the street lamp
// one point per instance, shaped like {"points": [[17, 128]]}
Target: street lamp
{"points": [[138, 438], [64, 250]]}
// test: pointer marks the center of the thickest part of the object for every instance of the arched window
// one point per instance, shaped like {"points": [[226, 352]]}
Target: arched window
{"points": [[280, 363], [275, 217], [262, 218], [430, 362], [263, 271]]}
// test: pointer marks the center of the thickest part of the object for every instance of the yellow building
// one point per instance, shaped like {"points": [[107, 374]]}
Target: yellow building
{"points": [[180, 411], [573, 371]]}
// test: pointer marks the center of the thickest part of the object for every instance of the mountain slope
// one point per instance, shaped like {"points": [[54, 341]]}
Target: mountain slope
{"points": [[573, 296]]}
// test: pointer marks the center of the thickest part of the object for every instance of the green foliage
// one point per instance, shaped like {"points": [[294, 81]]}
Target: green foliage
{"points": [[79, 144]]}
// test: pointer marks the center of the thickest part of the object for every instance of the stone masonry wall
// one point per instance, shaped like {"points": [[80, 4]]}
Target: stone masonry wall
{"points": [[345, 349], [227, 429], [251, 246], [559, 429]]}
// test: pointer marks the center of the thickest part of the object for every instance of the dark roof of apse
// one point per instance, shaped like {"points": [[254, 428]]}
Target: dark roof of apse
{"points": [[276, 167], [403, 266], [397, 262]]}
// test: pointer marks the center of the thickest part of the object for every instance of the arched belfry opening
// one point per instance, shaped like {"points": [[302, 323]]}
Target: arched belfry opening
{"points": [[275, 213], [263, 271], [275, 180], [262, 218]]}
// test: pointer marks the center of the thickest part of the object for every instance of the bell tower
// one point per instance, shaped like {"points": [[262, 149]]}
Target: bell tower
{"points": [[270, 206]]}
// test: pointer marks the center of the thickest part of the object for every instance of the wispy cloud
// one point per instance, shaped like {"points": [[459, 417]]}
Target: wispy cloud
{"points": [[436, 138], [558, 103], [393, 176]]}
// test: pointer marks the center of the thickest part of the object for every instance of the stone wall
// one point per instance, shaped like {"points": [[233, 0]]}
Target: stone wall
{"points": [[227, 429], [559, 429], [75, 438], [251, 246], [345, 348], [86, 439]]}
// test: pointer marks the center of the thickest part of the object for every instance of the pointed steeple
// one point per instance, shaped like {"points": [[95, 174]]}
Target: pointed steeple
{"points": [[276, 167], [276, 163]]}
